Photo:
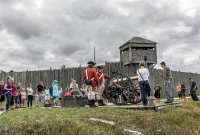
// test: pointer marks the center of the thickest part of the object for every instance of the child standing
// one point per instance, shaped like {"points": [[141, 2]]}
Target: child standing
{"points": [[178, 87], [83, 90], [68, 92], [55, 92], [36, 99], [23, 97], [60, 91], [183, 90], [42, 98], [47, 96], [19, 88], [137, 93], [157, 91]]}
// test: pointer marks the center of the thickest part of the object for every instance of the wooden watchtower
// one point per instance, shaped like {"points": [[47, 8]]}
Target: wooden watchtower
{"points": [[137, 49]]}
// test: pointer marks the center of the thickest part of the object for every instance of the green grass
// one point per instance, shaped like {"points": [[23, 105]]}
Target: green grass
{"points": [[75, 121]]}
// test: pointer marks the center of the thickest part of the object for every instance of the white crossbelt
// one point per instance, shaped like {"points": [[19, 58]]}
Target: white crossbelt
{"points": [[87, 75]]}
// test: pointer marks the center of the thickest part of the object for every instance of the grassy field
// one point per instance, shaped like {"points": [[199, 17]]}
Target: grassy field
{"points": [[183, 120]]}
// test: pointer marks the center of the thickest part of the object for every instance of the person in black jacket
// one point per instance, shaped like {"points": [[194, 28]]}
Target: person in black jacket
{"points": [[19, 87], [2, 98], [193, 88], [40, 87]]}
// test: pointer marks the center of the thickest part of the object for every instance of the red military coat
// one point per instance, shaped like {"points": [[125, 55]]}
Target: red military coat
{"points": [[101, 79], [92, 74]]}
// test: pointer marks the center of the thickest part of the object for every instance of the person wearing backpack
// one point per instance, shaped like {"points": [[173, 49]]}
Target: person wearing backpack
{"points": [[91, 80], [193, 88], [2, 97]]}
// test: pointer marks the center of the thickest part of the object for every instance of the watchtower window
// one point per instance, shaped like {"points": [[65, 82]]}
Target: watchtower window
{"points": [[143, 48], [125, 50]]}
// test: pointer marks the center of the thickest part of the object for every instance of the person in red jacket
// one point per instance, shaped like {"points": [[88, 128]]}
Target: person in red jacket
{"points": [[101, 86], [91, 80], [15, 98]]}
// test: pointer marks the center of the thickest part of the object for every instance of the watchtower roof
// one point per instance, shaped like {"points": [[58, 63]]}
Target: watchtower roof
{"points": [[138, 40]]}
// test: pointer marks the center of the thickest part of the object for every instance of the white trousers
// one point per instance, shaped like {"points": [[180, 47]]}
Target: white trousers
{"points": [[91, 94], [100, 91]]}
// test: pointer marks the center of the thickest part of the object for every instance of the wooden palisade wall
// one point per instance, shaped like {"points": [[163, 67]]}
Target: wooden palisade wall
{"points": [[64, 76]]}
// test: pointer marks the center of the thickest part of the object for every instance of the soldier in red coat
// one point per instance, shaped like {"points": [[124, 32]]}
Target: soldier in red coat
{"points": [[91, 80], [101, 86]]}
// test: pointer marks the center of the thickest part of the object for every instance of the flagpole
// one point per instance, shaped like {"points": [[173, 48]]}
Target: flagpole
{"points": [[94, 54]]}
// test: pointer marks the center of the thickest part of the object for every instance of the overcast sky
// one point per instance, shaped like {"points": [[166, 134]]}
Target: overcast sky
{"points": [[38, 34]]}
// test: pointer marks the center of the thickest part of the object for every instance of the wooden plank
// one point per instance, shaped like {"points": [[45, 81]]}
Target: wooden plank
{"points": [[140, 106]]}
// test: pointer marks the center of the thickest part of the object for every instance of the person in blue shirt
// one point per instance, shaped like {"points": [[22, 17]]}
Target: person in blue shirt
{"points": [[193, 88], [37, 98], [55, 92], [47, 96], [51, 89], [51, 93], [183, 90]]}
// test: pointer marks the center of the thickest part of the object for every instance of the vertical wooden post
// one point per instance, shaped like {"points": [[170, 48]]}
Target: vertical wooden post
{"points": [[130, 53]]}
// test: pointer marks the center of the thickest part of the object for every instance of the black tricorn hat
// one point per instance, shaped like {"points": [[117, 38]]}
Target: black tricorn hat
{"points": [[91, 63], [100, 67]]}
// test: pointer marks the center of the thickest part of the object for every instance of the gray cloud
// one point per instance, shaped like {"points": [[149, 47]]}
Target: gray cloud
{"points": [[41, 34]]}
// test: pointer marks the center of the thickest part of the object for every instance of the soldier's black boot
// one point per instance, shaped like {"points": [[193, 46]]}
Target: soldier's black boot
{"points": [[99, 103], [93, 103], [90, 103], [102, 104]]}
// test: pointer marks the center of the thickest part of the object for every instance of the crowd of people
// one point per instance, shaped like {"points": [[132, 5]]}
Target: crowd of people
{"points": [[143, 74], [92, 89], [16, 95], [181, 90]]}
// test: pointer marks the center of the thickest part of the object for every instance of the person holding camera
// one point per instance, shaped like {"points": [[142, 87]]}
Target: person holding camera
{"points": [[41, 87], [91, 80]]}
